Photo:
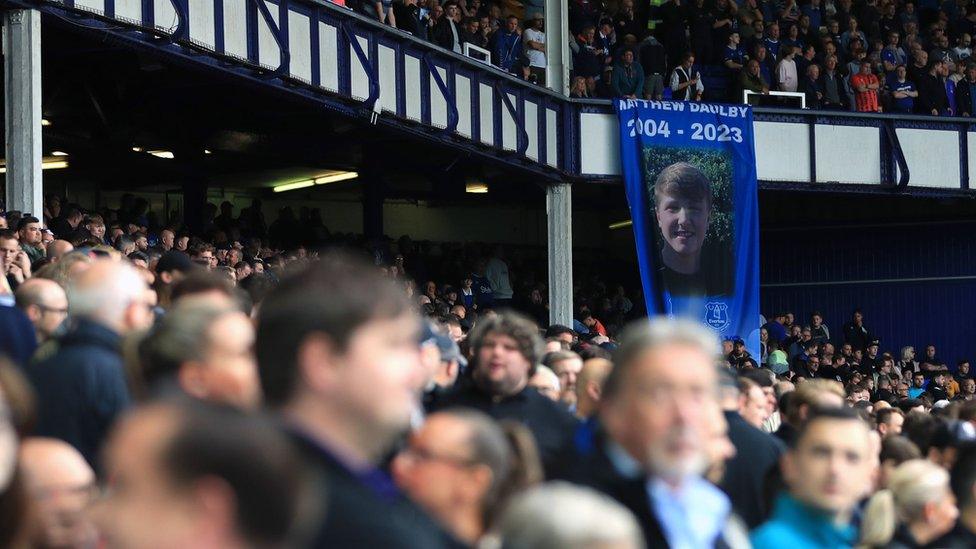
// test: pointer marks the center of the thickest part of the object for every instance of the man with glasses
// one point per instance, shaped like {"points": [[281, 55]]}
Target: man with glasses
{"points": [[657, 412], [45, 304], [82, 388]]}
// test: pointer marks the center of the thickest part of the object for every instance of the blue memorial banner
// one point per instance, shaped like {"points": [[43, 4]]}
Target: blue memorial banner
{"points": [[690, 175]]}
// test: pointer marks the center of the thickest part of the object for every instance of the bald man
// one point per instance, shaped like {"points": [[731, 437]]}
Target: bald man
{"points": [[45, 304], [83, 387], [57, 249], [589, 384], [61, 485]]}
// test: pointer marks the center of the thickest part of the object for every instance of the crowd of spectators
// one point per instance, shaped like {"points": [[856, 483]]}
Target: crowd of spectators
{"points": [[896, 56], [239, 388]]}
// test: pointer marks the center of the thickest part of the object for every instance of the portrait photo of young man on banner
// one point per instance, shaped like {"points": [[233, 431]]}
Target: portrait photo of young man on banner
{"points": [[690, 176]]}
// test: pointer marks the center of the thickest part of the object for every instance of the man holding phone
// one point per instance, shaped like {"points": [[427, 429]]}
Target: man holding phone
{"points": [[17, 265], [685, 84]]}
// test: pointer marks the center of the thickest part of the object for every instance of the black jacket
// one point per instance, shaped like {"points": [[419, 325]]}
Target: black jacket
{"points": [[756, 453], [551, 424], [931, 95], [593, 468], [857, 336], [442, 35], [408, 19], [358, 511], [81, 388], [964, 99], [811, 88]]}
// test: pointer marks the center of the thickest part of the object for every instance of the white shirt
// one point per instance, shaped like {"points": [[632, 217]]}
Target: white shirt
{"points": [[689, 92], [786, 75], [536, 58]]}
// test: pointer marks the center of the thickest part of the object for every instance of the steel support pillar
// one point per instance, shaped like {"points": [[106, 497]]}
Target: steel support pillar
{"points": [[557, 46], [22, 110], [559, 219]]}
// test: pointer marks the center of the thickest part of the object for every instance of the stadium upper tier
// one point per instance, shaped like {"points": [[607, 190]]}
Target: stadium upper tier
{"points": [[338, 60]]}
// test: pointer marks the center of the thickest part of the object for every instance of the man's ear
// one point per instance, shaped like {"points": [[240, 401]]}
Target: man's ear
{"points": [[317, 361], [190, 378], [33, 312]]}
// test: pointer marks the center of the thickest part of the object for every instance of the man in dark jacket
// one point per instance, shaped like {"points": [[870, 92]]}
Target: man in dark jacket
{"points": [[811, 87], [338, 358], [82, 388], [506, 45], [447, 31], [408, 18], [506, 349], [756, 453], [856, 333], [932, 97]]}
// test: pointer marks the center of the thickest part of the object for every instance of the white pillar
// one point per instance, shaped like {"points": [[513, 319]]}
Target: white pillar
{"points": [[557, 46], [22, 110], [559, 219]]}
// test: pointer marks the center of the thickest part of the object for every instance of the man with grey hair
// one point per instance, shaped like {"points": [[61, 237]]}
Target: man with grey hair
{"points": [[651, 451], [562, 516], [205, 350], [82, 388], [45, 304], [506, 349]]}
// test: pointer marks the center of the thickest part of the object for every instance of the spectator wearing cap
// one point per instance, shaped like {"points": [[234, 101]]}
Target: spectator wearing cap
{"points": [[172, 267], [506, 349], [739, 357], [82, 388]]}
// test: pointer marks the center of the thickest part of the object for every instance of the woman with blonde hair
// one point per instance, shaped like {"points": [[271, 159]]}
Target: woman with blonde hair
{"points": [[917, 508]]}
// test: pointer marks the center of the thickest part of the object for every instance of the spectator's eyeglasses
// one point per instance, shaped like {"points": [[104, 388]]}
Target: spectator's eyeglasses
{"points": [[424, 455], [60, 311]]}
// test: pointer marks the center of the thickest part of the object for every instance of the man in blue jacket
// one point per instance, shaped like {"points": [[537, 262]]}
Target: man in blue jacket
{"points": [[82, 387], [506, 47], [828, 471]]}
